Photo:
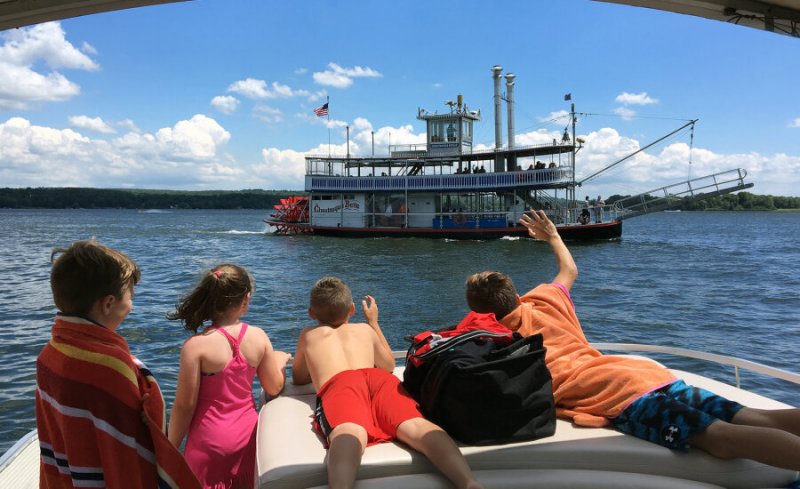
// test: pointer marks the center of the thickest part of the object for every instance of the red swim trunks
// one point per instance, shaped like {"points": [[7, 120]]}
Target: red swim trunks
{"points": [[371, 397]]}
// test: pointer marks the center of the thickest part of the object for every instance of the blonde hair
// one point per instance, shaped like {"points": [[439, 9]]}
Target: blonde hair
{"points": [[491, 292], [330, 301], [220, 289], [88, 271]]}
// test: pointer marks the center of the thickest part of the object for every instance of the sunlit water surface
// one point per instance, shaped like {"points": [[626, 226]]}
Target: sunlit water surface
{"points": [[725, 283]]}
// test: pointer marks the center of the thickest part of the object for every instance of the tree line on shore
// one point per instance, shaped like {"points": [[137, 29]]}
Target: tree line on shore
{"points": [[95, 198], [741, 201]]}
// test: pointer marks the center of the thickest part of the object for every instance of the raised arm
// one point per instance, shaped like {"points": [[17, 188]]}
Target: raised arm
{"points": [[383, 352], [540, 227]]}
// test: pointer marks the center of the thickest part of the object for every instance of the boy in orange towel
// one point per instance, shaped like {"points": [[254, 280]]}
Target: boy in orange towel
{"points": [[636, 396], [99, 412], [359, 401]]}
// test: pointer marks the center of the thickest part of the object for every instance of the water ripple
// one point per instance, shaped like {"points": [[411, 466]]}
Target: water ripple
{"points": [[724, 283]]}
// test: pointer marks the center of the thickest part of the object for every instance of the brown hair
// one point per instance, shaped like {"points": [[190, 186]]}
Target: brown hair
{"points": [[330, 301], [491, 292], [220, 289], [88, 271]]}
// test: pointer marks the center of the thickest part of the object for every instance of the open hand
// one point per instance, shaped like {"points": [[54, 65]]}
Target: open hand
{"points": [[539, 226]]}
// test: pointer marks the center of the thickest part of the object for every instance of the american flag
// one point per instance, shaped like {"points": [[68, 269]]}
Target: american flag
{"points": [[322, 110]]}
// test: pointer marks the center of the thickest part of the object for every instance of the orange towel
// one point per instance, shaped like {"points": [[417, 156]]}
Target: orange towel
{"points": [[588, 387], [100, 415]]}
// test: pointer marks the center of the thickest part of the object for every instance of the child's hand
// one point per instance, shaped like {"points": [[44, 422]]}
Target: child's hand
{"points": [[539, 225], [282, 358], [370, 310]]}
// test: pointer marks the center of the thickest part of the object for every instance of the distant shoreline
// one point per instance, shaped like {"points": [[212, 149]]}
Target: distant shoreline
{"points": [[148, 199], [92, 198]]}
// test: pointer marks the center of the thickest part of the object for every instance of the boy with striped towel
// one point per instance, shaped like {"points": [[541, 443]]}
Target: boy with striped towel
{"points": [[99, 412]]}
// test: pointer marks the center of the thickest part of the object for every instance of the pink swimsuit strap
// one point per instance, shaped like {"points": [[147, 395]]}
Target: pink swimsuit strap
{"points": [[235, 342]]}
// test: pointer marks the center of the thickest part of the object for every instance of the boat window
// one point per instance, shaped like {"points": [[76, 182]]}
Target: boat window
{"points": [[437, 131], [466, 130], [451, 132]]}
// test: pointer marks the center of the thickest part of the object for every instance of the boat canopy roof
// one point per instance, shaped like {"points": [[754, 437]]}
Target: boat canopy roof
{"points": [[19, 13], [779, 16]]}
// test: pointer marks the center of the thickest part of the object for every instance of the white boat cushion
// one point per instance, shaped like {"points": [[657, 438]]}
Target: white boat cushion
{"points": [[289, 453]]}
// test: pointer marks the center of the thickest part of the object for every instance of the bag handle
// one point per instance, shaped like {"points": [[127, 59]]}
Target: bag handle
{"points": [[440, 344]]}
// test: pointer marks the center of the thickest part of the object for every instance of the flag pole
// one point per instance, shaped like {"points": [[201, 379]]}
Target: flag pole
{"points": [[327, 102]]}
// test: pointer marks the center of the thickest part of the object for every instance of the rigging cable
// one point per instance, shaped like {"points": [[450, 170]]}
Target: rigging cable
{"points": [[636, 152], [691, 148]]}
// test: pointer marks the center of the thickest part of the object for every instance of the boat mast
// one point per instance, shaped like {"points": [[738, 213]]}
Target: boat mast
{"points": [[572, 203]]}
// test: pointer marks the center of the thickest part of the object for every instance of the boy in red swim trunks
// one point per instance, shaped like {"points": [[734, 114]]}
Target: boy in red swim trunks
{"points": [[359, 401]]}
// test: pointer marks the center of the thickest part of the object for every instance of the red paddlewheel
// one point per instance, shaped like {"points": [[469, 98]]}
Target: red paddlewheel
{"points": [[291, 210]]}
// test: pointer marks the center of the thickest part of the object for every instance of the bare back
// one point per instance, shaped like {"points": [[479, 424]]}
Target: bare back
{"points": [[327, 351]]}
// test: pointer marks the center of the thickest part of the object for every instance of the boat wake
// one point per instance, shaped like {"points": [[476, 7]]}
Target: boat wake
{"points": [[236, 231]]}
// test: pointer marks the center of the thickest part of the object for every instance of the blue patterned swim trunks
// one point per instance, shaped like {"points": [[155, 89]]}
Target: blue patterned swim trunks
{"points": [[671, 415]]}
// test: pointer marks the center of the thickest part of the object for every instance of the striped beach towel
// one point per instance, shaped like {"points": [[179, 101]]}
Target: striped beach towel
{"points": [[100, 414]]}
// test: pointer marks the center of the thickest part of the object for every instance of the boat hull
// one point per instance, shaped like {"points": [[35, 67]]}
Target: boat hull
{"points": [[584, 232]]}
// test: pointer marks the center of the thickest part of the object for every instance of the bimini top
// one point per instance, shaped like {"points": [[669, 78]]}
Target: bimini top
{"points": [[779, 16], [19, 13]]}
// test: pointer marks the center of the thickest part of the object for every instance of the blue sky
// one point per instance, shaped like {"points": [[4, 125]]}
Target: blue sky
{"points": [[216, 94]]}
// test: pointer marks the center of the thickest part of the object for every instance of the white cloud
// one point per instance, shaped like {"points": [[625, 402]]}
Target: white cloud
{"points": [[317, 95], [776, 174], [21, 84], [128, 125], [95, 124], [225, 103], [257, 89], [626, 113], [301, 71], [795, 123], [340, 77], [626, 98], [285, 168], [558, 117], [539, 136], [267, 114], [250, 88], [282, 169], [191, 155], [187, 155]]}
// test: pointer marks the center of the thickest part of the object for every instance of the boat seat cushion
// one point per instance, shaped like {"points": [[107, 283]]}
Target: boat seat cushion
{"points": [[289, 453]]}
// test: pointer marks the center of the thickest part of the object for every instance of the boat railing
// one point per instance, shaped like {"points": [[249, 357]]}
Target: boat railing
{"points": [[736, 363], [468, 219], [694, 189], [556, 146], [585, 215], [547, 177]]}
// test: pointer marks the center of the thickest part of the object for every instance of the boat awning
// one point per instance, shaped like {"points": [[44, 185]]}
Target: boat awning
{"points": [[778, 16], [19, 13]]}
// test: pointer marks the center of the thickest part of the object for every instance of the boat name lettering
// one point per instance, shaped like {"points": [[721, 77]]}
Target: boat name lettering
{"points": [[351, 205]]}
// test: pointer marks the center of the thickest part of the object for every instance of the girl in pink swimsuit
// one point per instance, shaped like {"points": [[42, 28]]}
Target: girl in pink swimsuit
{"points": [[214, 399]]}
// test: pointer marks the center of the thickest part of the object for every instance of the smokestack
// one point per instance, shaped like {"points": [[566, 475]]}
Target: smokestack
{"points": [[510, 107], [498, 125]]}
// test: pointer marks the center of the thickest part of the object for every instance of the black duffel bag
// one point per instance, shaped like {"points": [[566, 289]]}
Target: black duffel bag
{"points": [[482, 390]]}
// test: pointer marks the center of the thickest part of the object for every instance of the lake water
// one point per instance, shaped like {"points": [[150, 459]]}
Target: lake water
{"points": [[725, 283]]}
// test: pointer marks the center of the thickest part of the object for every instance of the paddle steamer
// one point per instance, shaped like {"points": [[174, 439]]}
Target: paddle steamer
{"points": [[445, 188]]}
